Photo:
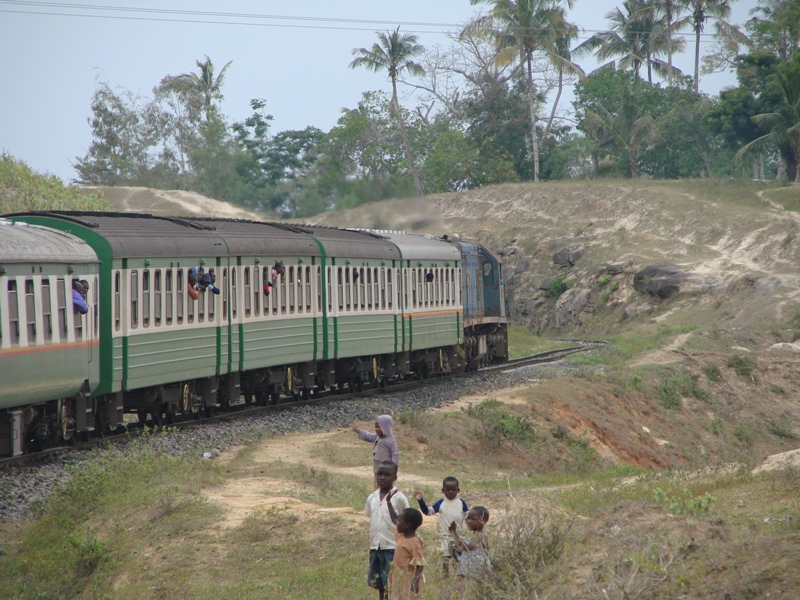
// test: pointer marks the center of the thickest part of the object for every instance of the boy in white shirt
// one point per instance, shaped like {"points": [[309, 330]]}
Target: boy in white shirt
{"points": [[381, 526]]}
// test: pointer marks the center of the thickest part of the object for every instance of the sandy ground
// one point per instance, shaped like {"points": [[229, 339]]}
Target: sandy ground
{"points": [[248, 495]]}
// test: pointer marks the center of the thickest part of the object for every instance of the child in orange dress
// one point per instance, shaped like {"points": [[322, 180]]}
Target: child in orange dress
{"points": [[405, 574]]}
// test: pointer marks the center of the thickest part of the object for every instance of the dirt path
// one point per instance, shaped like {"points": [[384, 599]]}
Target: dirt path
{"points": [[249, 495]]}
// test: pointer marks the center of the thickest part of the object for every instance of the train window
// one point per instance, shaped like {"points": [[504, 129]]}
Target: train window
{"points": [[292, 290], [179, 295], [301, 291], [307, 284], [383, 288], [61, 299], [369, 289], [169, 296], [201, 307], [134, 299], [389, 289], [362, 287], [258, 292], [157, 296], [487, 272], [146, 298], [47, 316], [30, 311], [211, 300], [438, 286], [248, 299], [329, 284], [344, 289], [116, 300], [228, 295], [13, 313], [405, 290]]}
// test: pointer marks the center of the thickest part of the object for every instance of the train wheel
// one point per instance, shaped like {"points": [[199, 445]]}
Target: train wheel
{"points": [[275, 397], [142, 416], [158, 417]]}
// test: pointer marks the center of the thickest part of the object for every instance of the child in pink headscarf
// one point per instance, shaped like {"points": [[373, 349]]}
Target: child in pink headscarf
{"points": [[384, 445]]}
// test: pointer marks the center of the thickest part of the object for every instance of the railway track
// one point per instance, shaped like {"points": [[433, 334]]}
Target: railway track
{"points": [[241, 410]]}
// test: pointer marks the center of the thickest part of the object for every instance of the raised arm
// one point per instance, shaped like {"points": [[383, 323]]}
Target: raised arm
{"points": [[390, 506]]}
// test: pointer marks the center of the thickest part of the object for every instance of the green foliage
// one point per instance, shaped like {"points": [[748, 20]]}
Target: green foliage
{"points": [[557, 286], [743, 366], [21, 189], [685, 503], [781, 427], [91, 551], [498, 426], [634, 383], [712, 372], [604, 281], [673, 388]]}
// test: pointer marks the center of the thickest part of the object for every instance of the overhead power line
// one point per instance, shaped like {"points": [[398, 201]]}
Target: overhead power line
{"points": [[168, 15]]}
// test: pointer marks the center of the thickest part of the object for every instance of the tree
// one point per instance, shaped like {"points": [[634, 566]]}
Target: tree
{"points": [[394, 54], [775, 27], [615, 113], [639, 34], [782, 124], [522, 28], [126, 146], [700, 12], [200, 90]]}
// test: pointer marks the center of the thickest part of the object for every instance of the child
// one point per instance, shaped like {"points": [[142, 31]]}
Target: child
{"points": [[405, 574], [474, 559], [451, 509], [384, 445], [381, 527]]}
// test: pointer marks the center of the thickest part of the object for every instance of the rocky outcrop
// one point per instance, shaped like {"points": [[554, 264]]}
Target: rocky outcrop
{"points": [[568, 256]]}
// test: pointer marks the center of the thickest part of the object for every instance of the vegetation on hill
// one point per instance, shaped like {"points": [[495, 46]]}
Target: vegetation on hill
{"points": [[22, 189], [476, 113]]}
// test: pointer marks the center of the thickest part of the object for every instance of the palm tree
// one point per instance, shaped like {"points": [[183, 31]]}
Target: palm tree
{"points": [[204, 85], [638, 35], [670, 9], [782, 125], [521, 29], [702, 11], [630, 126], [393, 54]]}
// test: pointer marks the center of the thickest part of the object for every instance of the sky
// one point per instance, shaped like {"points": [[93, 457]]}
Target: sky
{"points": [[293, 54]]}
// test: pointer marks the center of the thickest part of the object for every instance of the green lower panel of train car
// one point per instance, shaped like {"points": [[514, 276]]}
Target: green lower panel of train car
{"points": [[40, 373], [277, 342], [433, 331], [364, 335], [156, 358]]}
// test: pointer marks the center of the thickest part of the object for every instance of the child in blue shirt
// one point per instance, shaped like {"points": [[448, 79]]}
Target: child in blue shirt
{"points": [[451, 509]]}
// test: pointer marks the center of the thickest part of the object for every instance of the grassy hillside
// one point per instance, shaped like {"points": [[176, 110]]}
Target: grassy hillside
{"points": [[22, 189], [641, 474]]}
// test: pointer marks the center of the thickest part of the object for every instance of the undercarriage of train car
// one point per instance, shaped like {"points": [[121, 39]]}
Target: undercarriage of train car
{"points": [[486, 344]]}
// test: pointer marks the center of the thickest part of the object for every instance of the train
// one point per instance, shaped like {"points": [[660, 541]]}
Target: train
{"points": [[298, 310]]}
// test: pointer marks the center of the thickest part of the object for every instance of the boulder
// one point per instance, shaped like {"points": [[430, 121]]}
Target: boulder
{"points": [[661, 281], [568, 256]]}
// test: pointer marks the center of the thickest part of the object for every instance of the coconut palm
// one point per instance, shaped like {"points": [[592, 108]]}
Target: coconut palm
{"points": [[638, 36], [700, 12], [394, 54], [523, 28], [204, 85], [670, 9], [783, 124]]}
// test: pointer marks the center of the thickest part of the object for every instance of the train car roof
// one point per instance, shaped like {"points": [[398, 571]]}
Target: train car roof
{"points": [[417, 246], [352, 243], [144, 235], [252, 238], [21, 242]]}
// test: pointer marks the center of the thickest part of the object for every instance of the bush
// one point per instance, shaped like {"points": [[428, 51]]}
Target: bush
{"points": [[498, 426], [557, 287], [744, 366], [521, 547]]}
